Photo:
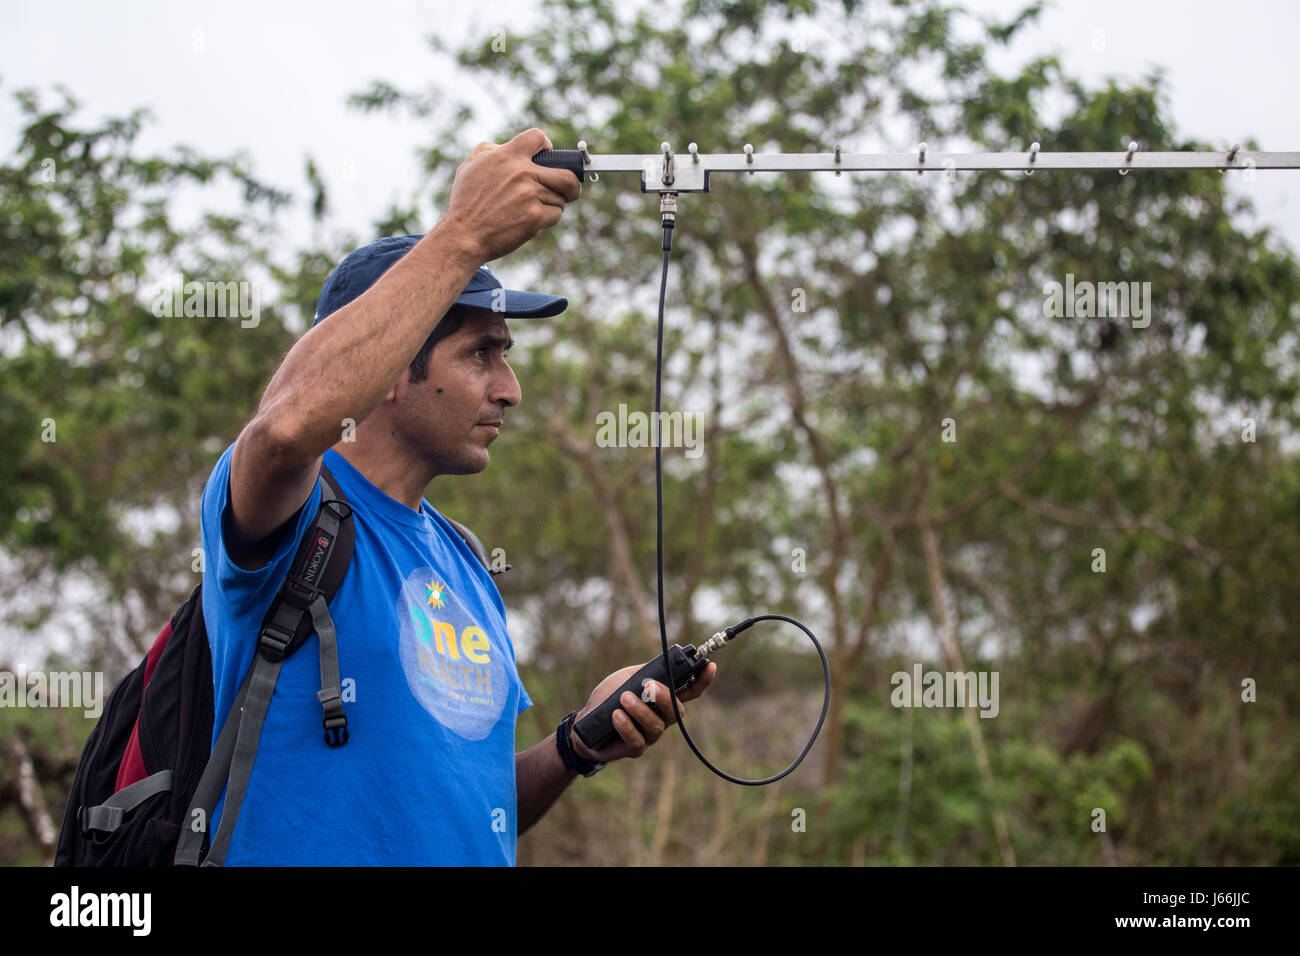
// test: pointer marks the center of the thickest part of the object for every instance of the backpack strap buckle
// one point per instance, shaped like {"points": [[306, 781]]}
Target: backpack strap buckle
{"points": [[335, 722], [336, 736], [297, 591], [102, 821], [274, 642], [98, 822]]}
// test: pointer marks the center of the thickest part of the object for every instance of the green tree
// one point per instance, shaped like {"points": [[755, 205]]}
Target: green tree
{"points": [[111, 412], [924, 318], [903, 445]]}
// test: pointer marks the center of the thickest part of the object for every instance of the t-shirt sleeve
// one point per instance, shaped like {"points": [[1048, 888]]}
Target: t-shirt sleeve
{"points": [[242, 592]]}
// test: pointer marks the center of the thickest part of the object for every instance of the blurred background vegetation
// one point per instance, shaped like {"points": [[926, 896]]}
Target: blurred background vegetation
{"points": [[825, 328]]}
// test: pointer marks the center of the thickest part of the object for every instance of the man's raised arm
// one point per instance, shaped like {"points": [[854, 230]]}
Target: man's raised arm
{"points": [[499, 200]]}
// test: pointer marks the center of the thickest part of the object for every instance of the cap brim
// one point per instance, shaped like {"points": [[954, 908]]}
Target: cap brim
{"points": [[518, 304]]}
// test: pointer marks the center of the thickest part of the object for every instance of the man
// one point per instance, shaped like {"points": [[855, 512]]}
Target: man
{"points": [[399, 380]]}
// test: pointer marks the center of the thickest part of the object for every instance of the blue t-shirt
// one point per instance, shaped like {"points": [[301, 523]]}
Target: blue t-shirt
{"points": [[430, 690]]}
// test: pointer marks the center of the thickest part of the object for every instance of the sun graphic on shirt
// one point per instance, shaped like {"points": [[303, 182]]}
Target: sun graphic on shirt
{"points": [[435, 592]]}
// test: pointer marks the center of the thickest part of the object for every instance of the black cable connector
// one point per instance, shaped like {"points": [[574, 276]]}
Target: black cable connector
{"points": [[737, 628]]}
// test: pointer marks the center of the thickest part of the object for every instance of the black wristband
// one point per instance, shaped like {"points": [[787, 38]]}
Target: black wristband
{"points": [[572, 762]]}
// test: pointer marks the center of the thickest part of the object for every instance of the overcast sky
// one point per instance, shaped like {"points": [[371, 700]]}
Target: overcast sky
{"points": [[271, 78]]}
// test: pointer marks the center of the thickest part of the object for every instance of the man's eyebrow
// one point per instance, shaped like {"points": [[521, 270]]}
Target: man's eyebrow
{"points": [[494, 339]]}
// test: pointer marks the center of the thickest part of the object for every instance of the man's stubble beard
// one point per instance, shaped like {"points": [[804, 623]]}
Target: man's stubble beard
{"points": [[470, 460]]}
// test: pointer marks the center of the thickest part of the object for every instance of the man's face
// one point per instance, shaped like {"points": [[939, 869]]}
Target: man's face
{"points": [[444, 419]]}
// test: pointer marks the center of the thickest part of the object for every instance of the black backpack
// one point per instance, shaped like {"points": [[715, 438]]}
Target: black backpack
{"points": [[149, 777]]}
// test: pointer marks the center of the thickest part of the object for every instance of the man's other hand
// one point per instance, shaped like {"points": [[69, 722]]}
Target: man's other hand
{"points": [[652, 716]]}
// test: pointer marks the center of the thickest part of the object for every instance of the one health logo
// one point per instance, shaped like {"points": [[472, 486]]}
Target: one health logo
{"points": [[452, 666]]}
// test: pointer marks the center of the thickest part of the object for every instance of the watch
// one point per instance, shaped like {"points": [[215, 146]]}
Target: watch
{"points": [[572, 762]]}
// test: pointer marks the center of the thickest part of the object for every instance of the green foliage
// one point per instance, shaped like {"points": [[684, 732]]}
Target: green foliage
{"points": [[1121, 689], [108, 409], [925, 304]]}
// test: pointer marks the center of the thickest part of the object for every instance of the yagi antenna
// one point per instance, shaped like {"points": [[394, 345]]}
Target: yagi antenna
{"points": [[666, 171]]}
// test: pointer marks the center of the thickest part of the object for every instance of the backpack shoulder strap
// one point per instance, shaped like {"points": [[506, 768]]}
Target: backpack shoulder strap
{"points": [[300, 606], [476, 546]]}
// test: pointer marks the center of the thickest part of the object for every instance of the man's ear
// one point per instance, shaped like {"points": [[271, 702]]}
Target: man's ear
{"points": [[400, 386]]}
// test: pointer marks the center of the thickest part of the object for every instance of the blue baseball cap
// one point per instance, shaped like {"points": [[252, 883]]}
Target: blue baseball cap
{"points": [[360, 270]]}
